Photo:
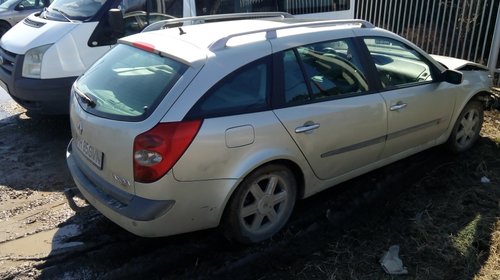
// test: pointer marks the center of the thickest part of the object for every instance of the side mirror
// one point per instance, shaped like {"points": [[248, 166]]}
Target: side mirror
{"points": [[452, 76], [116, 22], [19, 7]]}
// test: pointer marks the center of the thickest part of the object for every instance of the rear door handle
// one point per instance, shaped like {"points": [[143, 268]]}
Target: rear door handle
{"points": [[307, 127], [398, 106]]}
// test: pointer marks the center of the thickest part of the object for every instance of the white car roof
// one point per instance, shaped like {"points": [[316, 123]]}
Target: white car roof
{"points": [[193, 43]]}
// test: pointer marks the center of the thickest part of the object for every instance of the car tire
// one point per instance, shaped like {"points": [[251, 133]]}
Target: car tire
{"points": [[467, 127], [261, 205], [4, 27]]}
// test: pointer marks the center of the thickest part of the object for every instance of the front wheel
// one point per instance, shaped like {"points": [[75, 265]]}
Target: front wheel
{"points": [[466, 130], [261, 205]]}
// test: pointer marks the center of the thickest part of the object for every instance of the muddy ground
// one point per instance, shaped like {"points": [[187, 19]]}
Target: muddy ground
{"points": [[437, 207]]}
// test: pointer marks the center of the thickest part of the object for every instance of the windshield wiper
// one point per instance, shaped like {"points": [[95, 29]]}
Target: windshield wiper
{"points": [[65, 15], [86, 99]]}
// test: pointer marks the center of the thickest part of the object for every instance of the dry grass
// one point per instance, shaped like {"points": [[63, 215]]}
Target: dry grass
{"points": [[445, 220]]}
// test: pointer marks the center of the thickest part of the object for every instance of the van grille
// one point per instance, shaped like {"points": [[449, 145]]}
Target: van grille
{"points": [[8, 61], [33, 23]]}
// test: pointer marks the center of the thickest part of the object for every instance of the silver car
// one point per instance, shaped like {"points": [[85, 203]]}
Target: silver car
{"points": [[230, 123], [13, 11]]}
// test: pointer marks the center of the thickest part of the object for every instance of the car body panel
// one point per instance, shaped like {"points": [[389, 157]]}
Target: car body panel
{"points": [[351, 133], [209, 157], [456, 63], [409, 127]]}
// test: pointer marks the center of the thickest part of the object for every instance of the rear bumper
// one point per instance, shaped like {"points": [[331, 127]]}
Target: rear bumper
{"points": [[127, 205], [193, 205]]}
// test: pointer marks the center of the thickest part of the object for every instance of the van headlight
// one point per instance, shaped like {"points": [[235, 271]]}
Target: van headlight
{"points": [[32, 66]]}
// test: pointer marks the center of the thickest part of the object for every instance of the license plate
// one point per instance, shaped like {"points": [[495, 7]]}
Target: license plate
{"points": [[94, 155]]}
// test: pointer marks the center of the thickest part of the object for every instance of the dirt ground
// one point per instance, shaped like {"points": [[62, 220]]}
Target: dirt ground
{"points": [[442, 210]]}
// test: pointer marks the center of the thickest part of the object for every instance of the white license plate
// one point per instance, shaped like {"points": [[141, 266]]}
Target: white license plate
{"points": [[94, 155]]}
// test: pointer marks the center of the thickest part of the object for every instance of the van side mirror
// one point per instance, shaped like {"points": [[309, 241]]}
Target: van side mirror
{"points": [[452, 76], [116, 22]]}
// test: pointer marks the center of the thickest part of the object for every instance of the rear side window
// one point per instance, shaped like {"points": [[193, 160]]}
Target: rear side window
{"points": [[243, 91], [128, 83]]}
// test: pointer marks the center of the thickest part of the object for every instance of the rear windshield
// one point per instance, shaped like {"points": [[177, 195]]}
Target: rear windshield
{"points": [[127, 83]]}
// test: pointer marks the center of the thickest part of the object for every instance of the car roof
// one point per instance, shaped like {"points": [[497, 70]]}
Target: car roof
{"points": [[192, 44]]}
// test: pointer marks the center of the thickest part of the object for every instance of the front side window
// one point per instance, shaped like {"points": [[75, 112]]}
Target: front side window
{"points": [[243, 91], [128, 83], [322, 70], [397, 64]]}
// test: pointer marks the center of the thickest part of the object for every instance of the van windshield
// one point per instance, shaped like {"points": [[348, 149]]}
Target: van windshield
{"points": [[69, 10], [127, 83]]}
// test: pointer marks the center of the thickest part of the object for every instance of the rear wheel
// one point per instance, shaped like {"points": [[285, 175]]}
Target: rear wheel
{"points": [[261, 205], [466, 130]]}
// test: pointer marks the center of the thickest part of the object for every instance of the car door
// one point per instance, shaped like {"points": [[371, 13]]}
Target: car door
{"points": [[324, 103], [419, 106]]}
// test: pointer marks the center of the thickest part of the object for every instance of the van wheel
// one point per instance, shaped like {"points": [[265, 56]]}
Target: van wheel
{"points": [[261, 205], [466, 130], [4, 27]]}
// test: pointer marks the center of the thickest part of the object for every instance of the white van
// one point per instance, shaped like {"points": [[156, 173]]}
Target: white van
{"points": [[41, 57]]}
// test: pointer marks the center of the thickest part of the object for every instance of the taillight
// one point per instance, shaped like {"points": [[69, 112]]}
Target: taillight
{"points": [[157, 150]]}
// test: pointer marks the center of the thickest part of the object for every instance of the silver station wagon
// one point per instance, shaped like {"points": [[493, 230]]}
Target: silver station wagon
{"points": [[229, 123]]}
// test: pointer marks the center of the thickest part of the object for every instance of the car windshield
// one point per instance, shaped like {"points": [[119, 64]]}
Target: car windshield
{"points": [[127, 83], [69, 10]]}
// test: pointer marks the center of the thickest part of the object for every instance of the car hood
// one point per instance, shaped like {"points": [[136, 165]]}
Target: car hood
{"points": [[22, 37], [458, 64]]}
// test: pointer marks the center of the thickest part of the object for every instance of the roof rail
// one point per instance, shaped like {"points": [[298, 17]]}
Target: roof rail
{"points": [[271, 32], [201, 19]]}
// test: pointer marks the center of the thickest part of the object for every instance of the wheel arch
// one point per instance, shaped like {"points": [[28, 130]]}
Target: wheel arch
{"points": [[484, 97], [226, 220], [5, 23], [290, 164], [488, 99]]}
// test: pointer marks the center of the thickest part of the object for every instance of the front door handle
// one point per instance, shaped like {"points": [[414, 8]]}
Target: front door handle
{"points": [[398, 106], [307, 127]]}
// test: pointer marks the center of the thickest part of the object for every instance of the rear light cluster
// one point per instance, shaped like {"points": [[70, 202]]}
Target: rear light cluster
{"points": [[157, 150]]}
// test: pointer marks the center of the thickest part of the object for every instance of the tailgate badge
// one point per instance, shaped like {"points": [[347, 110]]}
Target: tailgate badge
{"points": [[124, 182]]}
